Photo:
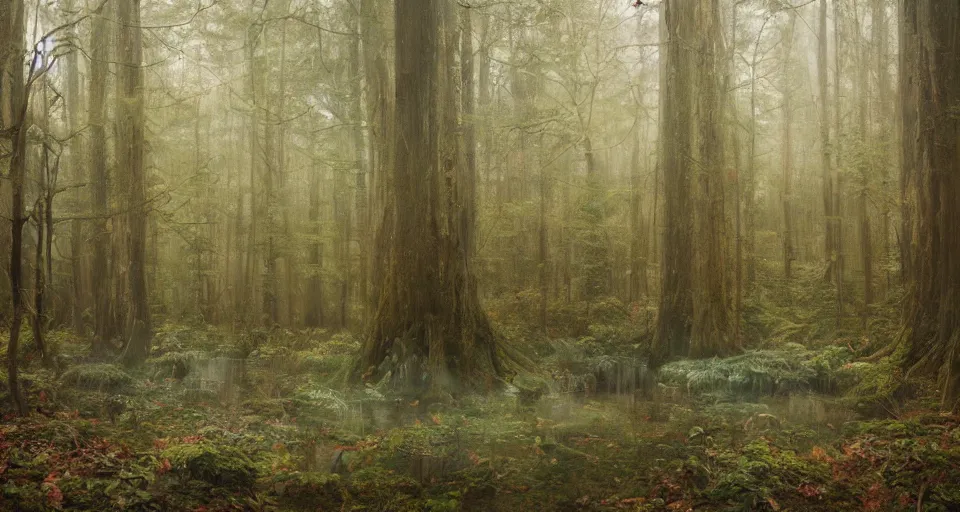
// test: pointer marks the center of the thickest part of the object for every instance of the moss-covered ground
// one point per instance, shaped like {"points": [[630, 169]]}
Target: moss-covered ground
{"points": [[249, 420]]}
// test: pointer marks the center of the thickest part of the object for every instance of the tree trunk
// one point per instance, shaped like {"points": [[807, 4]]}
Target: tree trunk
{"points": [[750, 186], [254, 31], [710, 332], [826, 176], [638, 258], [678, 29], [787, 149], [883, 122], [428, 315], [104, 325], [16, 100], [543, 241], [378, 119], [837, 183], [362, 171], [909, 135], [863, 215], [78, 299], [314, 312], [469, 132], [693, 317], [130, 153], [933, 317]]}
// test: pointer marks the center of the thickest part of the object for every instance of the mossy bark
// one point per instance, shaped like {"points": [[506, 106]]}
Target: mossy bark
{"points": [[694, 316], [429, 330], [933, 313]]}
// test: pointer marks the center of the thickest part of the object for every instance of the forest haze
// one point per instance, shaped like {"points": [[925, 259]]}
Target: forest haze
{"points": [[480, 255]]}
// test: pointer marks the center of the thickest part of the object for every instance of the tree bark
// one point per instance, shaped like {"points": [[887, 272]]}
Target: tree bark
{"points": [[909, 133], [826, 176], [16, 98], [130, 154], [429, 331], [787, 149], [711, 330], [933, 319], [678, 29], [105, 328]]}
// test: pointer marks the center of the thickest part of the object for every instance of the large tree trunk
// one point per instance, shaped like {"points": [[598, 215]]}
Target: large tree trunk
{"points": [[710, 332], [678, 29], [104, 325], [378, 119], [934, 302], [828, 174], [693, 318], [130, 149], [883, 132], [16, 104], [909, 133], [429, 328], [74, 166], [362, 171]]}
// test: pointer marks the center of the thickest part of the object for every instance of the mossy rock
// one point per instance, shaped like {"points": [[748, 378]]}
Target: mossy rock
{"points": [[220, 465], [97, 377]]}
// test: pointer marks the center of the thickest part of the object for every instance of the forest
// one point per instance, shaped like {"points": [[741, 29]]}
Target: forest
{"points": [[480, 255]]}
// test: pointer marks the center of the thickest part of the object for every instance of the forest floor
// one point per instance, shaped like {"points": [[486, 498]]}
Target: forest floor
{"points": [[257, 421]]}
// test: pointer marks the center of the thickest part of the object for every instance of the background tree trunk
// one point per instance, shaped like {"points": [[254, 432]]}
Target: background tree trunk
{"points": [[130, 155], [105, 328]]}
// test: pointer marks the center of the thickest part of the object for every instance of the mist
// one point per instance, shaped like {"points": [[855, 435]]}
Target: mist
{"points": [[480, 255]]}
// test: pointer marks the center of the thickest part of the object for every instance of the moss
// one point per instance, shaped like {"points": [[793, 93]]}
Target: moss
{"points": [[221, 465], [880, 387], [98, 377]]}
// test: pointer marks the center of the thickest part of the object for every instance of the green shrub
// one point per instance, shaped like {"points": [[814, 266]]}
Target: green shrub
{"points": [[759, 475], [175, 364], [880, 388], [761, 372], [221, 465], [97, 377]]}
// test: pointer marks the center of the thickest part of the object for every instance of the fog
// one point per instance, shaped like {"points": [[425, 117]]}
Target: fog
{"points": [[480, 255]]}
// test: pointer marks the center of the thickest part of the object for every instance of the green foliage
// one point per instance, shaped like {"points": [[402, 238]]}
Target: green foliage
{"points": [[306, 489], [176, 364], [98, 377], [215, 464], [298, 442], [755, 477], [758, 372], [880, 387]]}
